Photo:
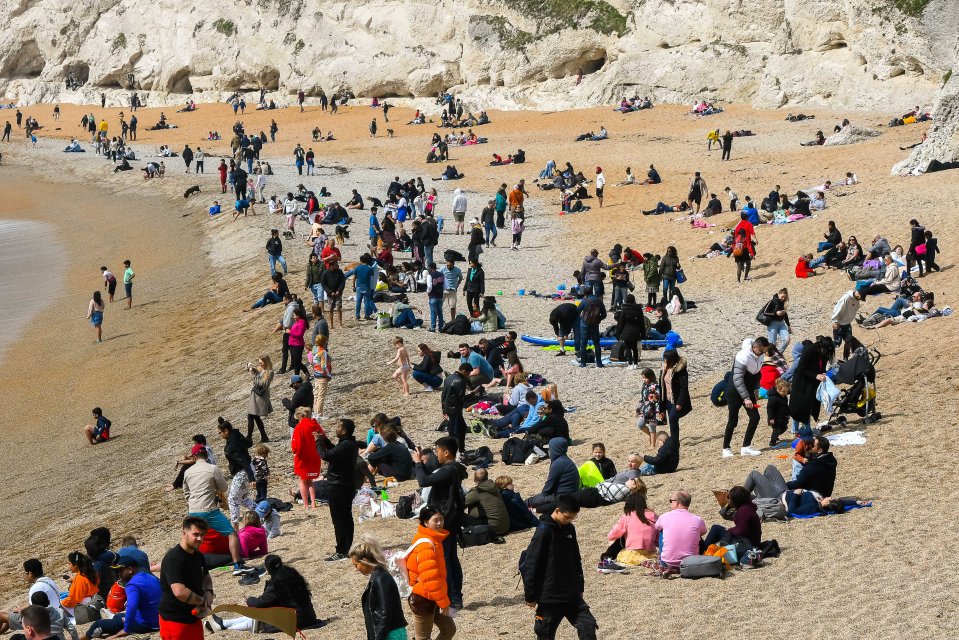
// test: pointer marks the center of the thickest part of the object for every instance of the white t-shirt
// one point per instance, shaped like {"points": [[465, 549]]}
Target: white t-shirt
{"points": [[47, 586]]}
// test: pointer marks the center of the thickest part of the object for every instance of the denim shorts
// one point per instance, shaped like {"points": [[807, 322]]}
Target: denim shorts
{"points": [[217, 521], [128, 287]]}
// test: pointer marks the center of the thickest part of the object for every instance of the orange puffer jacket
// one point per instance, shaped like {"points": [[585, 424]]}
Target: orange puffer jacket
{"points": [[427, 567]]}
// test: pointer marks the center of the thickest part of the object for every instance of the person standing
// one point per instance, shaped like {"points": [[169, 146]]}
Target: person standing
{"points": [[917, 238], [259, 404], [600, 184], [696, 190], [341, 469], [186, 588], [745, 382], [322, 369], [777, 320], [727, 144], [431, 233], [373, 128], [452, 401], [435, 286], [128, 276], [591, 315], [103, 101], [552, 571], [429, 600], [459, 206], [306, 459], [446, 497], [300, 99], [452, 276], [631, 329], [274, 128], [843, 315], [198, 157], [237, 453], [187, 154], [7, 129], [382, 606], [222, 170], [475, 287], [95, 315], [501, 204], [365, 281], [274, 252], [133, 127]]}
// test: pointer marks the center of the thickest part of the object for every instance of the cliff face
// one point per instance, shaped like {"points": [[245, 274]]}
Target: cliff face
{"points": [[499, 53]]}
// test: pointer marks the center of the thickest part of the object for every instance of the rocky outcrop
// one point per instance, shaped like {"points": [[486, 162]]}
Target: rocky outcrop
{"points": [[856, 54]]}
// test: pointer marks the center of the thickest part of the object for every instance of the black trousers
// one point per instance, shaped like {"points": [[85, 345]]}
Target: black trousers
{"points": [[727, 149], [473, 301], [285, 351], [296, 360], [456, 428], [258, 421], [735, 404], [549, 617], [631, 351], [341, 512]]}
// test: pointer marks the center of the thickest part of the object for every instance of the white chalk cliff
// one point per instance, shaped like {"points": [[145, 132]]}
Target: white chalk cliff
{"points": [[855, 54]]}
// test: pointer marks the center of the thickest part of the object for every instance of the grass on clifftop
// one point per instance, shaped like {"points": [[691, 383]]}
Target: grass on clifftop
{"points": [[913, 8], [554, 15]]}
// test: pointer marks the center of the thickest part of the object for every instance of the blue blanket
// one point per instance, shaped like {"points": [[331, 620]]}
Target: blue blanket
{"points": [[831, 513]]}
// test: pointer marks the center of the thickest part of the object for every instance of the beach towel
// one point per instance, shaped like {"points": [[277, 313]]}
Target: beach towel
{"points": [[846, 439], [847, 509], [283, 618]]}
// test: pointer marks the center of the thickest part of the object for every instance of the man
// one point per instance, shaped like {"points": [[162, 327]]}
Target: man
{"points": [[593, 268], [431, 237], [485, 504], [7, 129], [435, 283], [819, 473], [714, 207], [185, 583], [843, 315], [515, 200], [592, 312], [452, 276], [187, 155], [274, 252], [446, 496], [143, 594], [481, 372], [696, 190], [301, 98], [133, 128], [202, 483], [453, 399], [727, 144], [681, 529], [240, 182], [333, 282], [130, 547], [342, 459], [39, 583], [552, 570], [302, 397], [36, 623], [459, 211], [128, 277], [199, 160], [563, 318], [365, 281], [563, 477]]}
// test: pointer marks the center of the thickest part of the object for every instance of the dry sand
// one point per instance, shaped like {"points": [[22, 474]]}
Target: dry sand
{"points": [[175, 362]]}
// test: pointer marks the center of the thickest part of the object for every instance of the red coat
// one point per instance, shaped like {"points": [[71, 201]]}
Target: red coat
{"points": [[306, 459], [803, 270], [746, 225]]}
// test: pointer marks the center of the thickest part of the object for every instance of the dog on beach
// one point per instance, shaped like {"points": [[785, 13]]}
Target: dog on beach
{"points": [[289, 235], [389, 133], [342, 233], [195, 189]]}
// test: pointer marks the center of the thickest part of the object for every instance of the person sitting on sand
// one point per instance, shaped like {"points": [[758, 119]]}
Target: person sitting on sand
{"points": [[74, 147], [602, 135], [630, 179], [652, 176], [635, 531], [498, 160], [99, 430], [819, 141], [122, 165]]}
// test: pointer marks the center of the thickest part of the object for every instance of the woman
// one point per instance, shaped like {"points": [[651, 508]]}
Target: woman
{"points": [[306, 459], [744, 382], [743, 250], [426, 565], [237, 453], [489, 315], [252, 537], [83, 584], [259, 404], [382, 607], [635, 530], [322, 369], [388, 229], [95, 315], [668, 267], [631, 328], [662, 326], [552, 424], [297, 340], [674, 401], [429, 371], [431, 201], [508, 371], [475, 286], [520, 517], [285, 588], [809, 372], [747, 528], [314, 270], [777, 320], [854, 255], [502, 201]]}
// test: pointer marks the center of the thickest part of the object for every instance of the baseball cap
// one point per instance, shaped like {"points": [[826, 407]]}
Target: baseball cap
{"points": [[294, 379], [263, 508], [124, 560], [197, 448]]}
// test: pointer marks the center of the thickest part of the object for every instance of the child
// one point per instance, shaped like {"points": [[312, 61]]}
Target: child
{"points": [[403, 360], [270, 518], [261, 470], [517, 227], [604, 464], [99, 431], [666, 459], [777, 410], [652, 278], [646, 407], [932, 248], [803, 270], [802, 448]]}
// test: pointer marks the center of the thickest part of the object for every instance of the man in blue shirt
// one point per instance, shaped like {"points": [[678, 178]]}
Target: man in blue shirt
{"points": [[482, 371], [143, 601], [374, 225], [364, 273], [452, 276]]}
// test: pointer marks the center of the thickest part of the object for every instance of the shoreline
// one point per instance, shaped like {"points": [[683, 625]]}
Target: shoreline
{"points": [[191, 371]]}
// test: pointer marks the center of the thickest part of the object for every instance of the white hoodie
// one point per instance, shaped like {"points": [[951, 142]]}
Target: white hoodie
{"points": [[459, 201]]}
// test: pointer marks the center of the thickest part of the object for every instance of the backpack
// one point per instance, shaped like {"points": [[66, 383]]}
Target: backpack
{"points": [[477, 535], [396, 565], [770, 509], [701, 567], [591, 313], [617, 352], [404, 507], [739, 247], [478, 458], [718, 395], [515, 451]]}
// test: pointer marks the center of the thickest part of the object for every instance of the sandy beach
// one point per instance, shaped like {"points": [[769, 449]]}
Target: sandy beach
{"points": [[174, 362]]}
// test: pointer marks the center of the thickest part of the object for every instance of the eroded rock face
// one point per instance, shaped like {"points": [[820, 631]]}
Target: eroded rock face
{"points": [[862, 54]]}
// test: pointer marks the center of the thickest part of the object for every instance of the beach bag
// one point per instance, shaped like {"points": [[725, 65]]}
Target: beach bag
{"points": [[383, 320], [770, 509], [762, 318], [396, 565], [476, 536], [701, 567], [549, 392], [515, 451], [680, 276], [920, 250], [723, 553], [617, 352], [769, 548], [86, 613], [739, 247], [404, 507]]}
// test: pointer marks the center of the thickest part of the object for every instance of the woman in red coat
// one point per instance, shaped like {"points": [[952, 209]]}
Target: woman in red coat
{"points": [[306, 459]]}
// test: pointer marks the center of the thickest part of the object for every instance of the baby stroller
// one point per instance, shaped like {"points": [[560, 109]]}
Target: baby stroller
{"points": [[859, 372]]}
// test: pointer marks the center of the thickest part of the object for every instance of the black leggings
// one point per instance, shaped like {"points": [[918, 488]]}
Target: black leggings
{"points": [[296, 360], [473, 301], [735, 404], [258, 421], [631, 351], [651, 298], [742, 268]]}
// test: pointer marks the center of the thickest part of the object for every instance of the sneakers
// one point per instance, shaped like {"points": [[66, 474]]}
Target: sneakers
{"points": [[240, 569], [749, 451], [488, 431], [561, 353], [727, 453], [427, 387], [247, 580], [214, 623], [336, 557], [608, 565], [532, 458]]}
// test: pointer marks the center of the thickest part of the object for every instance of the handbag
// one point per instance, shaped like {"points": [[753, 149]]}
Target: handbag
{"points": [[680, 276], [920, 249], [762, 318]]}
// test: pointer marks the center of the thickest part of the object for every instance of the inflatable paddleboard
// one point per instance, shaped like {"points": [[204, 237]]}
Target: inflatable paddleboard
{"points": [[605, 342]]}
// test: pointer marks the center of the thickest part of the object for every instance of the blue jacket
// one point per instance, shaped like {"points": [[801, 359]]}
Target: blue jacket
{"points": [[143, 601], [563, 478]]}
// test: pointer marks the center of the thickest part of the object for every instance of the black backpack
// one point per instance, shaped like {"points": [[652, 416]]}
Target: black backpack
{"points": [[476, 536], [591, 314], [516, 450], [617, 352], [477, 458], [404, 507]]}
